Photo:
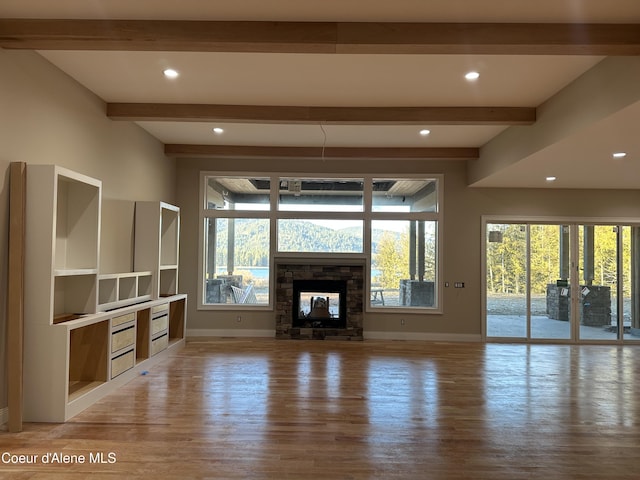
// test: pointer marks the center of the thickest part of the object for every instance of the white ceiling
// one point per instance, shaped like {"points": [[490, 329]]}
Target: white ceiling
{"points": [[364, 80]]}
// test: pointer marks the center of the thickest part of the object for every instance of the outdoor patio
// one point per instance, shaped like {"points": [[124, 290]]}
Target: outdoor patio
{"points": [[506, 318]]}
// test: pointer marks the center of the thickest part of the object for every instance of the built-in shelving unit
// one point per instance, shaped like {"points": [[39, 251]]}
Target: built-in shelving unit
{"points": [[157, 244], [86, 334]]}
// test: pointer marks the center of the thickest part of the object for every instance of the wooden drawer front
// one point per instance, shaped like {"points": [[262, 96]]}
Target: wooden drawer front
{"points": [[159, 324], [122, 363], [122, 339], [159, 344], [160, 308], [129, 317]]}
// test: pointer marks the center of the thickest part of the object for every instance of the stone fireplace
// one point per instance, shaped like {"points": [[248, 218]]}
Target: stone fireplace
{"points": [[319, 299]]}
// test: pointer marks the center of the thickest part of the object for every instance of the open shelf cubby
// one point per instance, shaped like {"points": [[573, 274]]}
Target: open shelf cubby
{"points": [[128, 288], [107, 290], [145, 283], [169, 231], [157, 227], [176, 320], [88, 358], [168, 281], [74, 295], [77, 224]]}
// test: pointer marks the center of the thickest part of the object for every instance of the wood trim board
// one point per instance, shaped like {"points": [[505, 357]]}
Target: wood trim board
{"points": [[321, 37], [15, 293]]}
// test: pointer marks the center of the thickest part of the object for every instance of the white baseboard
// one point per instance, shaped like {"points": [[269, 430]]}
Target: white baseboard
{"points": [[4, 415], [239, 332], [425, 337]]}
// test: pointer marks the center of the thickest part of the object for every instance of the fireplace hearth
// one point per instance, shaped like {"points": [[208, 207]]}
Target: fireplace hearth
{"points": [[319, 301]]}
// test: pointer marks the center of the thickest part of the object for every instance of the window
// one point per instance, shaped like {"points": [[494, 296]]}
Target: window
{"points": [[237, 261], [403, 263], [393, 222], [404, 195], [237, 193], [404, 242], [320, 194], [320, 235]]}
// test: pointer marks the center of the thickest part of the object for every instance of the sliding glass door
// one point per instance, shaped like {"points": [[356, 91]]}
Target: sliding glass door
{"points": [[629, 303], [562, 282], [599, 272], [506, 278], [549, 261]]}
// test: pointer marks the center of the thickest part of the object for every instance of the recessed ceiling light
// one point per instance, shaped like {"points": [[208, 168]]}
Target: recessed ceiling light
{"points": [[619, 155], [551, 179], [472, 76], [170, 73], [424, 132], [218, 130]]}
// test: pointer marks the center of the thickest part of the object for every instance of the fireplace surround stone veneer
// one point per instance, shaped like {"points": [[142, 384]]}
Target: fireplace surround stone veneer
{"points": [[351, 274]]}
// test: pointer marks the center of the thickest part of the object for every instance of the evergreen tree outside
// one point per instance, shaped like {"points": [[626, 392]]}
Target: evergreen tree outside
{"points": [[391, 260], [391, 256], [506, 260]]}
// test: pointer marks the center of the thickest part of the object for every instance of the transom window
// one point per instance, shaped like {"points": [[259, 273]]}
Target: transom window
{"points": [[394, 222]]}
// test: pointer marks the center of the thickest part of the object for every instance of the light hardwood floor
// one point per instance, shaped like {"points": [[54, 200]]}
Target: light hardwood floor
{"points": [[286, 409]]}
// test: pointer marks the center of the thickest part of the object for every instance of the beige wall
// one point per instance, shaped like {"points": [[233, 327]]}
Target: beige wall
{"points": [[46, 117], [463, 210]]}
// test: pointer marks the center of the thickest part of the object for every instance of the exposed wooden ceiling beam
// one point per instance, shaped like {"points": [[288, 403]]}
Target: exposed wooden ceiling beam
{"points": [[187, 150], [326, 115], [322, 37]]}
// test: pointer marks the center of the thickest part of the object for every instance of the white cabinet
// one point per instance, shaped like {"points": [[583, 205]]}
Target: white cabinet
{"points": [[87, 334], [71, 365], [157, 234]]}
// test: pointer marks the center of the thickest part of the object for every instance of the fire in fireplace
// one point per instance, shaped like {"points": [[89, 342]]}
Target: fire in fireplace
{"points": [[319, 304]]}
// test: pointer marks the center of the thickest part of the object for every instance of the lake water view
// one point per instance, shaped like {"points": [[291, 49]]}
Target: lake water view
{"points": [[259, 273]]}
